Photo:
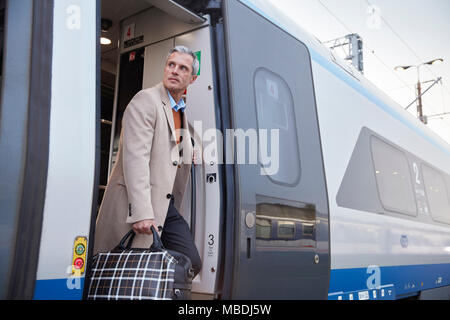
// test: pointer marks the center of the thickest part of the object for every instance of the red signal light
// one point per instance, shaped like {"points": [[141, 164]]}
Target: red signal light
{"points": [[78, 263]]}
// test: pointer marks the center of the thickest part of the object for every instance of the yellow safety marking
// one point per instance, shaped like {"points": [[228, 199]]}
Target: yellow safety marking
{"points": [[79, 256]]}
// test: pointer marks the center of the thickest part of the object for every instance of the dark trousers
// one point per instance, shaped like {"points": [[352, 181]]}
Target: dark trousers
{"points": [[177, 236]]}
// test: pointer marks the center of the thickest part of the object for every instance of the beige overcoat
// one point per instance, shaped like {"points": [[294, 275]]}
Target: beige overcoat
{"points": [[150, 167]]}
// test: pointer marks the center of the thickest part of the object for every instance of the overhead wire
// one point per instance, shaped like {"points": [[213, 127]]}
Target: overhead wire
{"points": [[406, 44], [365, 44], [402, 87], [373, 51], [413, 52]]}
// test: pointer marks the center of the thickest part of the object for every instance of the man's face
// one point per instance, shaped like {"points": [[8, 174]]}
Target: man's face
{"points": [[178, 72]]}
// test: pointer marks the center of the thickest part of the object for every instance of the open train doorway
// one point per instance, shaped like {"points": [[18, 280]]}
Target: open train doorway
{"points": [[139, 35]]}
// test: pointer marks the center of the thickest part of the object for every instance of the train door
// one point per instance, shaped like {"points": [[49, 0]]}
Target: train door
{"points": [[279, 228], [155, 31], [47, 146]]}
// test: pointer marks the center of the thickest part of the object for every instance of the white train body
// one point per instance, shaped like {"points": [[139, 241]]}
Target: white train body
{"points": [[398, 252], [360, 239]]}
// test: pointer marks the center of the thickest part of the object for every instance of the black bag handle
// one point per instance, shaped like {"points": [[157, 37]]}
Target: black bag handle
{"points": [[130, 237], [157, 243], [156, 246]]}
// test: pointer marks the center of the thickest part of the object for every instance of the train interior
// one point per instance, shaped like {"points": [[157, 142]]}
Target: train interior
{"points": [[141, 33]]}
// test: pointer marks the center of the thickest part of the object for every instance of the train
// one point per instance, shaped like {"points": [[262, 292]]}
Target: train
{"points": [[348, 201]]}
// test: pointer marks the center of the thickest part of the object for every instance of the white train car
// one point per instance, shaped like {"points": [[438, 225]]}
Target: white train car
{"points": [[388, 184], [357, 206]]}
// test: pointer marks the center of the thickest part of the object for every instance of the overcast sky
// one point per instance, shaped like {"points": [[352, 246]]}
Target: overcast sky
{"points": [[400, 32]]}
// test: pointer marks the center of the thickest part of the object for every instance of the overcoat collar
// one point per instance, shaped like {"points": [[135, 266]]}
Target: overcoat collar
{"points": [[167, 109]]}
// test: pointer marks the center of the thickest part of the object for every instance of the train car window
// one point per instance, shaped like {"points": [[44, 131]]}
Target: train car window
{"points": [[275, 111], [308, 230], [286, 230], [279, 225], [393, 178], [437, 194], [263, 228]]}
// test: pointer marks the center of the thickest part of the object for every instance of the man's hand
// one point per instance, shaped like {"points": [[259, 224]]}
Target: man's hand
{"points": [[143, 227]]}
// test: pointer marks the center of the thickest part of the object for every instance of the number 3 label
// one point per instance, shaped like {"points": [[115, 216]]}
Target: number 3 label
{"points": [[211, 240]]}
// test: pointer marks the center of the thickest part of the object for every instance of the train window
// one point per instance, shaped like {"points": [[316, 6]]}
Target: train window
{"points": [[280, 225], [263, 228], [286, 229], [437, 194], [275, 111], [308, 229], [393, 178]]}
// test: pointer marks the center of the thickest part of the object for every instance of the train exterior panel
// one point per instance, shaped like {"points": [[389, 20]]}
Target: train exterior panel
{"points": [[374, 255], [72, 155], [368, 249]]}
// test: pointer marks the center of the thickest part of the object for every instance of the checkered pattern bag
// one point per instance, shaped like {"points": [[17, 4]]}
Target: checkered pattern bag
{"points": [[133, 274]]}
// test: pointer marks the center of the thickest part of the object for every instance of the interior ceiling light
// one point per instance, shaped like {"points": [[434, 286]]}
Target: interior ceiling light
{"points": [[105, 41], [105, 25]]}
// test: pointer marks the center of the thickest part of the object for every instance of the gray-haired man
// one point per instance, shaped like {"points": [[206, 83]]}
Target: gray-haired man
{"points": [[148, 181]]}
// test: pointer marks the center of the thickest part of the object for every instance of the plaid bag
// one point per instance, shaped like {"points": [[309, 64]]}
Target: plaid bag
{"points": [[133, 274]]}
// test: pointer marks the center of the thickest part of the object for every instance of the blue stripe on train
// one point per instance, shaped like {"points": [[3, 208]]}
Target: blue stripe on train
{"points": [[373, 282], [400, 280], [59, 289]]}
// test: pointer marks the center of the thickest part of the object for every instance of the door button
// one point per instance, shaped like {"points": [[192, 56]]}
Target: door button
{"points": [[316, 259]]}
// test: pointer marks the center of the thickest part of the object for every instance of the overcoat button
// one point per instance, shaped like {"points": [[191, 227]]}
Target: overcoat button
{"points": [[169, 196], [175, 163]]}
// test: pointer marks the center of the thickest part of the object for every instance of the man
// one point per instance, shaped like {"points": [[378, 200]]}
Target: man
{"points": [[148, 181]]}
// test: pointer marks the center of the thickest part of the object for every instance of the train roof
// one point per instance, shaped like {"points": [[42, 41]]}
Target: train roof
{"points": [[324, 56]]}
